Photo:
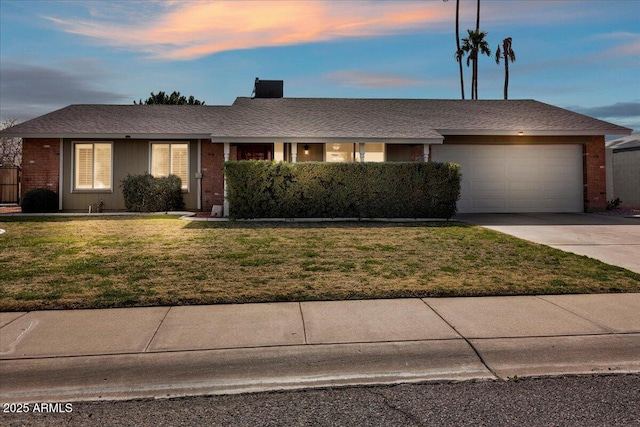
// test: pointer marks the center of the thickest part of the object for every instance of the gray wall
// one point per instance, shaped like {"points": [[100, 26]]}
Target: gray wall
{"points": [[626, 178], [129, 156]]}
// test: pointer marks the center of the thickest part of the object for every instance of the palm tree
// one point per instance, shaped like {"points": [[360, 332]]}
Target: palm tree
{"points": [[475, 44], [459, 53], [509, 55]]}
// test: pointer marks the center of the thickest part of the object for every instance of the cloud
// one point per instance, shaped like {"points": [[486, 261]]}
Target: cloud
{"points": [[371, 80], [619, 109], [189, 30], [30, 90]]}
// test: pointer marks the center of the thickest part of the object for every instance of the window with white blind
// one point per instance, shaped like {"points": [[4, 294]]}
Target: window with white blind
{"points": [[170, 159], [93, 166]]}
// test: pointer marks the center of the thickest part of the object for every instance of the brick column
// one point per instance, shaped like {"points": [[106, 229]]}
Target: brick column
{"points": [[40, 164], [212, 175], [595, 176]]}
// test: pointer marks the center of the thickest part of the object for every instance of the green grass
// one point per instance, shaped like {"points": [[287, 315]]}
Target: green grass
{"points": [[82, 262]]}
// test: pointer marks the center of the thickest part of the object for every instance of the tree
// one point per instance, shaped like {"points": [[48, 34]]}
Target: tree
{"points": [[509, 55], [474, 45], [174, 99], [459, 52], [10, 148]]}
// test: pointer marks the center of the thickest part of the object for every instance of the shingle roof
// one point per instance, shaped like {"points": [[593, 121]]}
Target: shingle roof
{"points": [[320, 118], [125, 120]]}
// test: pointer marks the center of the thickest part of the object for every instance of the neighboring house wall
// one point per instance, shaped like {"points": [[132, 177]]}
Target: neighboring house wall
{"points": [[40, 164], [212, 175], [626, 177], [595, 177]]}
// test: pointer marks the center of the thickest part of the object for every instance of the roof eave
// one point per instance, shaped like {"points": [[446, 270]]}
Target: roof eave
{"points": [[317, 140], [529, 132], [109, 135]]}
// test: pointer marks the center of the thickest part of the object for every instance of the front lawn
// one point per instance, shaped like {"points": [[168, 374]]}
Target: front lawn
{"points": [[83, 262]]}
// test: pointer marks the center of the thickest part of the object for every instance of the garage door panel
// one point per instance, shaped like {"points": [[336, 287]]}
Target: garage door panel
{"points": [[489, 152], [479, 187], [488, 204], [525, 178], [519, 187]]}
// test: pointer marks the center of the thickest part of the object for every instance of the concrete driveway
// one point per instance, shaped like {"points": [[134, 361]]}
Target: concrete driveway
{"points": [[611, 239]]}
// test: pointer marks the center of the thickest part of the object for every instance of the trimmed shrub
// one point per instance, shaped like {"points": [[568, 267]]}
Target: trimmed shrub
{"points": [[39, 200], [267, 189], [144, 193]]}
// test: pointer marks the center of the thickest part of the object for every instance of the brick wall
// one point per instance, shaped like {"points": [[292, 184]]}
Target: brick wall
{"points": [[595, 179], [40, 164], [212, 175]]}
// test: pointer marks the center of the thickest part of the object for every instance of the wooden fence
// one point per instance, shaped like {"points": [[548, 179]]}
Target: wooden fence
{"points": [[9, 184]]}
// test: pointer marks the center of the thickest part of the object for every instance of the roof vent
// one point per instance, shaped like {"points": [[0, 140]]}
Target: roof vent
{"points": [[268, 89]]}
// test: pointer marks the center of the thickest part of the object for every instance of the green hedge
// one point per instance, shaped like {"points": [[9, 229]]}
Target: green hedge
{"points": [[144, 193], [263, 189]]}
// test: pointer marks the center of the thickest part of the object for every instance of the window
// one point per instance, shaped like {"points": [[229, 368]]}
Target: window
{"points": [[93, 164], [170, 159]]}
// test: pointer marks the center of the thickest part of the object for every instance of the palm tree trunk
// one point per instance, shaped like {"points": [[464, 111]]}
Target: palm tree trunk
{"points": [[458, 46], [475, 63], [506, 77], [475, 72]]}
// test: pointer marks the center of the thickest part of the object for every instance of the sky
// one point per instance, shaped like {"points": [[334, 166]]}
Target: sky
{"points": [[579, 55]]}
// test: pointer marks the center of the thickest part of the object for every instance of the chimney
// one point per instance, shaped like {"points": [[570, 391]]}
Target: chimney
{"points": [[268, 88]]}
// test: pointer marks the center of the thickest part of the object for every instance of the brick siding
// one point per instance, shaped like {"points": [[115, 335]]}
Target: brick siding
{"points": [[595, 178], [212, 175], [40, 164]]}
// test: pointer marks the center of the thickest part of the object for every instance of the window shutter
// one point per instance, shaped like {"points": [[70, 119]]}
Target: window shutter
{"points": [[160, 160], [84, 166], [179, 162], [102, 166]]}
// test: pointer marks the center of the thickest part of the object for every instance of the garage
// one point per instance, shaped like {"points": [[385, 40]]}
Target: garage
{"points": [[517, 178]]}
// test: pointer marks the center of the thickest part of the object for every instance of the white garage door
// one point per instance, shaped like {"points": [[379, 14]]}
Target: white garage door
{"points": [[517, 178]]}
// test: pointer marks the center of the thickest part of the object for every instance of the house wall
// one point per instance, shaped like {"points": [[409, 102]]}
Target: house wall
{"points": [[626, 177], [40, 164], [130, 156]]}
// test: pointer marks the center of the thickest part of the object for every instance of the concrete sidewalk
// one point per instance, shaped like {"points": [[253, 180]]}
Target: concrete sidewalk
{"points": [[48, 356]]}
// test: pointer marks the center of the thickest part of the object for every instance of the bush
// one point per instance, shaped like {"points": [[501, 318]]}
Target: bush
{"points": [[262, 189], [39, 200], [144, 193]]}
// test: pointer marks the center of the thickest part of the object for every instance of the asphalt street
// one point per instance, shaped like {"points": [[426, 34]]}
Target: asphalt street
{"points": [[559, 401]]}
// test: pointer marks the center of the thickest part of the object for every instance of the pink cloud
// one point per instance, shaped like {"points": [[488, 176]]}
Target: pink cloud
{"points": [[372, 80], [189, 30]]}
